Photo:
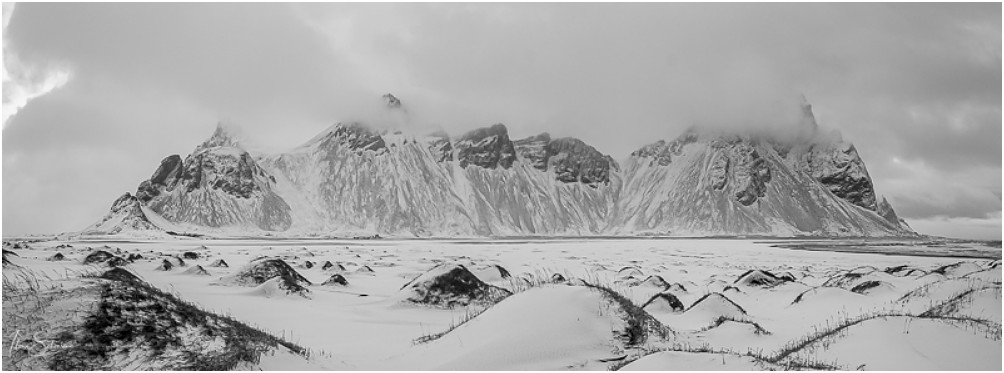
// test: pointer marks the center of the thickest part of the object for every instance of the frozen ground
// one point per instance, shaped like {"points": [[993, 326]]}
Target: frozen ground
{"points": [[812, 308]]}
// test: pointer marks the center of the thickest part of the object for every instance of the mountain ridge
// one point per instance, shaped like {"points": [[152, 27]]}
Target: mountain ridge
{"points": [[353, 179]]}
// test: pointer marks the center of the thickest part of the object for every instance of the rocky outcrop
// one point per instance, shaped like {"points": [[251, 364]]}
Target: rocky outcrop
{"points": [[885, 210], [391, 101], [354, 136], [750, 172], [448, 286], [838, 166], [126, 214], [572, 160], [486, 148], [166, 174], [440, 147], [533, 150], [661, 152], [575, 161]]}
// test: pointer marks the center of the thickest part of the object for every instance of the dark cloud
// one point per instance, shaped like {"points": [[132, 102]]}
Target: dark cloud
{"points": [[917, 87]]}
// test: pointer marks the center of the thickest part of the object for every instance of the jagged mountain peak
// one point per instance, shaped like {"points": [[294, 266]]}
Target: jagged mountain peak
{"points": [[392, 102], [226, 134]]}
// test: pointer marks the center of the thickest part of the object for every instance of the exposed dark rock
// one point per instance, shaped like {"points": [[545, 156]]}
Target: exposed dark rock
{"points": [[56, 257], [575, 161], [336, 279], [332, 266], [220, 263], [486, 148], [190, 255], [134, 257], [450, 286], [750, 173], [117, 261], [759, 278], [838, 166], [169, 170], [165, 265], [258, 272], [236, 177], [557, 277], [98, 256], [391, 101], [357, 137]]}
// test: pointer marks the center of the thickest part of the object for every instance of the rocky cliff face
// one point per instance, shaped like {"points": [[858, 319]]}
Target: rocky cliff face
{"points": [[486, 148], [352, 179], [571, 160], [839, 167]]}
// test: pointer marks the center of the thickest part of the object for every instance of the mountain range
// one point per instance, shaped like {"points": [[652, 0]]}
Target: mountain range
{"points": [[352, 179]]}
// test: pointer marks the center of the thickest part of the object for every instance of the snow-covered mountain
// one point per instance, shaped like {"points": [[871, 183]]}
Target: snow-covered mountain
{"points": [[352, 179]]}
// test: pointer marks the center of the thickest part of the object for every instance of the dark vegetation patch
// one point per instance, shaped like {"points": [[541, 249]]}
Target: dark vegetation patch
{"points": [[640, 324], [757, 329], [674, 303], [865, 286], [719, 296], [120, 274], [162, 332]]}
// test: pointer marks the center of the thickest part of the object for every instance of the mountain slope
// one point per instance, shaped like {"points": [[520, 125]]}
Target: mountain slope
{"points": [[352, 179]]}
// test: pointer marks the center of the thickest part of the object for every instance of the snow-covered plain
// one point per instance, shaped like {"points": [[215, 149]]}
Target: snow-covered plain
{"points": [[844, 310]]}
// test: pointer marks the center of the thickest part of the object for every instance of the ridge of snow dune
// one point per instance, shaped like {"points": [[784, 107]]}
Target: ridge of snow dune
{"points": [[577, 324]]}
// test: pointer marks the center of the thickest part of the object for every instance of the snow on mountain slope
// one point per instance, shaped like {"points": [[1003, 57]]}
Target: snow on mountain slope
{"points": [[352, 179], [727, 184], [345, 184], [126, 215]]}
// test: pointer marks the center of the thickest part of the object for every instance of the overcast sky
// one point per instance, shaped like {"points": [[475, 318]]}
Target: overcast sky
{"points": [[95, 95]]}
